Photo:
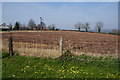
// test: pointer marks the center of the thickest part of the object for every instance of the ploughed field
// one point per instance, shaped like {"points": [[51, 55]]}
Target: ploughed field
{"points": [[80, 42]]}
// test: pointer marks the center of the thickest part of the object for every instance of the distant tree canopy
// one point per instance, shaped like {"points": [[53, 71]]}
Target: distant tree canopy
{"points": [[31, 23], [79, 26], [99, 26], [17, 26], [52, 27], [86, 26]]}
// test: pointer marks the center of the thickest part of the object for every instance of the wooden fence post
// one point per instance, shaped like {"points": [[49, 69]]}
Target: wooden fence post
{"points": [[61, 45], [10, 46]]}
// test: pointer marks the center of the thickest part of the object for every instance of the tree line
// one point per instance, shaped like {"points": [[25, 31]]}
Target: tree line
{"points": [[42, 26], [32, 26], [80, 25]]}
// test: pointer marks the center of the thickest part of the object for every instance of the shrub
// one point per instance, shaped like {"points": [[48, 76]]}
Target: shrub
{"points": [[66, 56]]}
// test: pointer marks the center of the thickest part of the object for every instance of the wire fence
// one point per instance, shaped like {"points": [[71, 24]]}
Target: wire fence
{"points": [[40, 44]]}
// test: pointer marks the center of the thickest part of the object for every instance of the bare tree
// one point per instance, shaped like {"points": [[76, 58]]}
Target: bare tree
{"points": [[52, 27], [99, 26], [79, 26], [31, 24], [86, 26]]}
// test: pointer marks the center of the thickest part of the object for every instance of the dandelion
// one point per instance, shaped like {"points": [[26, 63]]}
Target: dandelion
{"points": [[27, 66], [63, 76], [86, 73], [77, 71], [107, 76], [70, 72], [73, 71], [36, 72], [81, 70], [42, 72]]}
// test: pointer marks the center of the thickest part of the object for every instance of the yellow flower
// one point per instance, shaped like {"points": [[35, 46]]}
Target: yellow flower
{"points": [[81, 70], [42, 72], [63, 70], [27, 66], [76, 67], [35, 72], [86, 73], [61, 77], [77, 71], [73, 71]]}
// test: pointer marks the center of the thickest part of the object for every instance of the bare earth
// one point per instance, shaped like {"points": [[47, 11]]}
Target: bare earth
{"points": [[79, 42]]}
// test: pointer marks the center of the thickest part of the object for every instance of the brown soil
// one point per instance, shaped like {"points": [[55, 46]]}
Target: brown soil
{"points": [[81, 42]]}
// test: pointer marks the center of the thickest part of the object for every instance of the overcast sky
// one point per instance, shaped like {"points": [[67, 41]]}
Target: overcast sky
{"points": [[63, 14]]}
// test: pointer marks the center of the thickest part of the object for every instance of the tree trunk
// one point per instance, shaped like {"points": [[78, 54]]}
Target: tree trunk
{"points": [[79, 29], [99, 30], [86, 30]]}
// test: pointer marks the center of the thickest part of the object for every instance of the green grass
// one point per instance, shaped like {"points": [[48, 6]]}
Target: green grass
{"points": [[78, 67]]}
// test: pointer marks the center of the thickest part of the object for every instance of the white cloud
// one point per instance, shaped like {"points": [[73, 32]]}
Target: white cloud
{"points": [[60, 0]]}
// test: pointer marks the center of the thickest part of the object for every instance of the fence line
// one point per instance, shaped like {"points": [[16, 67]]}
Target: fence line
{"points": [[33, 48], [55, 47]]}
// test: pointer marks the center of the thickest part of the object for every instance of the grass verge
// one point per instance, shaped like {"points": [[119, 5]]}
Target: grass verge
{"points": [[78, 67]]}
